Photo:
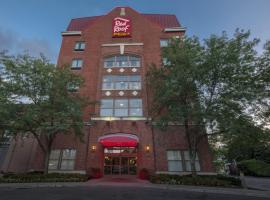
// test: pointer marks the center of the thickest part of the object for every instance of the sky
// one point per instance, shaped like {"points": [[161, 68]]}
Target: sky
{"points": [[36, 25]]}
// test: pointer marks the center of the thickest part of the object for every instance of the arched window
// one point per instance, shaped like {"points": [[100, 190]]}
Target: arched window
{"points": [[122, 61]]}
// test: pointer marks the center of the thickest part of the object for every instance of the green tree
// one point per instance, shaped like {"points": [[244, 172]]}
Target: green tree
{"points": [[206, 86], [41, 101]]}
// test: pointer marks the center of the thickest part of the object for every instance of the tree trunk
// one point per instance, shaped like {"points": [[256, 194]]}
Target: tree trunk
{"points": [[46, 160], [192, 151]]}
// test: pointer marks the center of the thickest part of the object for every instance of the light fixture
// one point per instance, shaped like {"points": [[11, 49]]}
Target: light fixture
{"points": [[147, 148], [94, 148]]}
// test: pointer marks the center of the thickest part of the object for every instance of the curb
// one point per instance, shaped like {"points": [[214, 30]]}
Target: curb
{"points": [[213, 190]]}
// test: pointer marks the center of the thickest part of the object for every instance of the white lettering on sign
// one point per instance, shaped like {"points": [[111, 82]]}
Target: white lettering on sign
{"points": [[121, 27]]}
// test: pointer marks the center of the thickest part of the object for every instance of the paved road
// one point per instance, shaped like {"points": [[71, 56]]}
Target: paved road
{"points": [[112, 193]]}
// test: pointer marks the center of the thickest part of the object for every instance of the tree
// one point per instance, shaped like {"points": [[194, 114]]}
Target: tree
{"points": [[40, 98], [206, 86], [175, 91]]}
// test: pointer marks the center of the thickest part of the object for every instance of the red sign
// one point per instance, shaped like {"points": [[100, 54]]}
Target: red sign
{"points": [[121, 27]]}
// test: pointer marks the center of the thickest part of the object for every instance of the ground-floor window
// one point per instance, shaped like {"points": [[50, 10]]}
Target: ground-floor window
{"points": [[179, 161], [62, 159]]}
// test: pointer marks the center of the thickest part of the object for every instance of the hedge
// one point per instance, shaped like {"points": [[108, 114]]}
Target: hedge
{"points": [[38, 177], [255, 168], [199, 180]]}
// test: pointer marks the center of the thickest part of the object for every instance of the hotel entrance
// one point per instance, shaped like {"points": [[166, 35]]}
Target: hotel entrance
{"points": [[120, 161], [120, 154]]}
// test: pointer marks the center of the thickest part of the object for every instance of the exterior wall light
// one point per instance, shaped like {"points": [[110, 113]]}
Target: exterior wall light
{"points": [[147, 148], [94, 148]]}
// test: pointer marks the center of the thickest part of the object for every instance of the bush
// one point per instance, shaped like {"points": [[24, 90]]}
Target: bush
{"points": [[201, 180], [254, 168], [39, 177]]}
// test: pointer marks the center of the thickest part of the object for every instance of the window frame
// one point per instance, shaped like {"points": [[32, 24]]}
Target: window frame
{"points": [[79, 43], [114, 82], [163, 40], [128, 107], [60, 159], [76, 67], [175, 160], [116, 60], [184, 160]]}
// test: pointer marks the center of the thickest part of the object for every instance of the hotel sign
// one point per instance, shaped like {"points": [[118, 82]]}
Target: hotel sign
{"points": [[121, 27]]}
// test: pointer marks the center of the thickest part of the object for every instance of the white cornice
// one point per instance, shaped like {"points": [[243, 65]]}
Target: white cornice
{"points": [[122, 44], [64, 33], [175, 29]]}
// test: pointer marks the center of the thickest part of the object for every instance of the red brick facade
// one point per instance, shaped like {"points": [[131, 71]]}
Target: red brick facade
{"points": [[96, 32]]}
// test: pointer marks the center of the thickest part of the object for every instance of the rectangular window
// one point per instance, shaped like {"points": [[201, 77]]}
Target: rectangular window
{"points": [[115, 82], [106, 107], [165, 61], [180, 161], [174, 161], [188, 163], [72, 87], [68, 159], [79, 46], [135, 107], [62, 159], [121, 107], [164, 42], [76, 64], [54, 159], [122, 61]]}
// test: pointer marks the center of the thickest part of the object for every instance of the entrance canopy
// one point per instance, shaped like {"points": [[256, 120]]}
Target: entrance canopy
{"points": [[119, 140]]}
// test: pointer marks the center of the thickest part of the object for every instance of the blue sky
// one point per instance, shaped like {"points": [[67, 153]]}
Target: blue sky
{"points": [[35, 25]]}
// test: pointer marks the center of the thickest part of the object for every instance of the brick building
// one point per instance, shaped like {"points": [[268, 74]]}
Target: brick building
{"points": [[113, 53]]}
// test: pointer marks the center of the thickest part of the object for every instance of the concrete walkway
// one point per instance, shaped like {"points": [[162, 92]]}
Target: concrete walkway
{"points": [[137, 183], [257, 183]]}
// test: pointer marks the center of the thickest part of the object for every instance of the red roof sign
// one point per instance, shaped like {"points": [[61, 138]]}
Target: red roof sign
{"points": [[121, 27]]}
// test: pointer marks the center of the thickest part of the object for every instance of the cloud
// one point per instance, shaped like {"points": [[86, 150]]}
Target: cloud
{"points": [[15, 44]]}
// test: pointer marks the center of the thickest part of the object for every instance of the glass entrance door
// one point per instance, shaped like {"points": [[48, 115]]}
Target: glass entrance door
{"points": [[120, 165], [120, 161]]}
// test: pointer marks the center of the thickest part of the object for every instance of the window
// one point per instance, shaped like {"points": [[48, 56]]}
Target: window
{"points": [[79, 46], [180, 161], [68, 159], [174, 161], [164, 42], [72, 87], [121, 107], [114, 82], [165, 61], [187, 161], [76, 64], [122, 61], [106, 107], [62, 159]]}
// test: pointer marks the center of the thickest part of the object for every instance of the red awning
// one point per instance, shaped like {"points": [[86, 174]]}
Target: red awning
{"points": [[119, 140]]}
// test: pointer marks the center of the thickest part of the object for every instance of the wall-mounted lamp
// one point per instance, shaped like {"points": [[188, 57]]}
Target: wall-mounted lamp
{"points": [[93, 148], [147, 148]]}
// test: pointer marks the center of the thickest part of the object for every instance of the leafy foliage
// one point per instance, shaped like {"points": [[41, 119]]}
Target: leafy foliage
{"points": [[254, 168], [218, 87], [198, 180], [37, 100]]}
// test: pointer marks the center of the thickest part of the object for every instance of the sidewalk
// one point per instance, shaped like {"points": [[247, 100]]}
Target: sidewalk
{"points": [[257, 183], [136, 183]]}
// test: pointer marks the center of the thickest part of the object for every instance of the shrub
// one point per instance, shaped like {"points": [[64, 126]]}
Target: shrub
{"points": [[201, 180], [144, 174], [254, 168], [39, 177]]}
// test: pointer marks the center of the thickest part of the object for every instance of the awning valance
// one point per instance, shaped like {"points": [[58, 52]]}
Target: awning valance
{"points": [[119, 140]]}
